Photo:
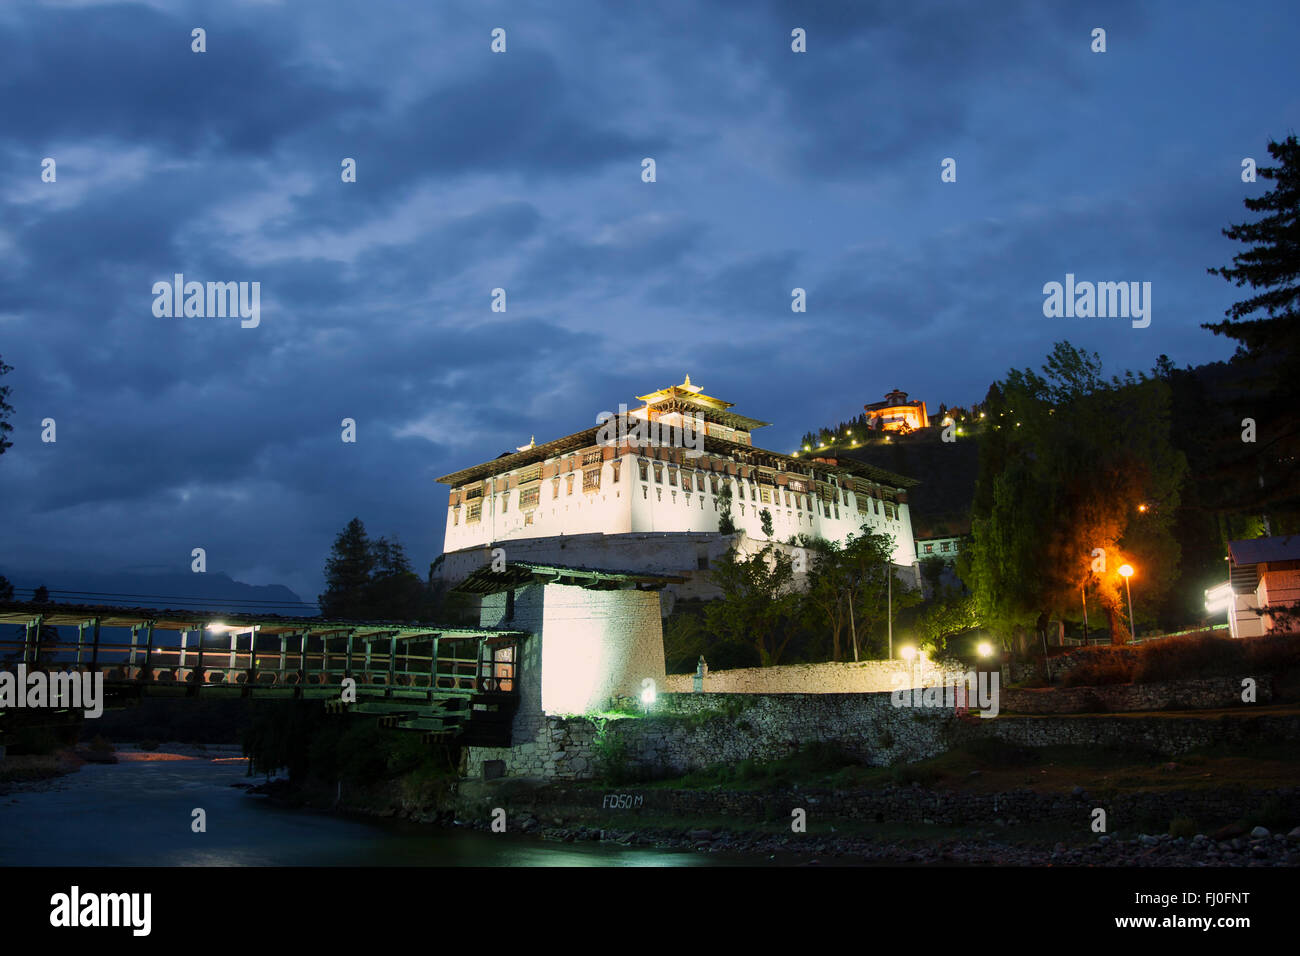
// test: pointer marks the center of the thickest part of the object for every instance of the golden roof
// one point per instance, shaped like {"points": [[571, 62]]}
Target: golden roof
{"points": [[685, 390]]}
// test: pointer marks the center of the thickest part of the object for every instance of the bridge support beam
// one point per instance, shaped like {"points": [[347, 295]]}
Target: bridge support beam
{"points": [[200, 676], [94, 651], [392, 665], [148, 651], [252, 659], [302, 662]]}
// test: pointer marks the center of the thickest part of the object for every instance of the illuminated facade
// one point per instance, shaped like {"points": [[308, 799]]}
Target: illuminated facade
{"points": [[897, 414], [1263, 582], [661, 468]]}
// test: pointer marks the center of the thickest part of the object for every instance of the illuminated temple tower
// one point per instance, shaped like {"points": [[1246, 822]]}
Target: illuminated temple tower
{"points": [[640, 490], [896, 413]]}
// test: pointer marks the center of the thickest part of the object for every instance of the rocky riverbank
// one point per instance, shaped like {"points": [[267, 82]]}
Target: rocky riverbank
{"points": [[847, 842], [1258, 848], [37, 771]]}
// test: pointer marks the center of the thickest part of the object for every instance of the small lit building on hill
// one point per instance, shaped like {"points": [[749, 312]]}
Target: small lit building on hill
{"points": [[897, 414]]}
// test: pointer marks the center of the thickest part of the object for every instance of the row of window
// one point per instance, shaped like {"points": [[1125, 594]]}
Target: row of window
{"points": [[766, 492], [762, 477], [943, 546], [528, 498]]}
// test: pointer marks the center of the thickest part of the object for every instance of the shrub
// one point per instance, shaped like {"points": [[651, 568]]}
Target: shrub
{"points": [[610, 752], [1103, 664], [363, 753], [36, 741], [1183, 827], [406, 752], [1206, 654], [1191, 655], [1272, 652]]}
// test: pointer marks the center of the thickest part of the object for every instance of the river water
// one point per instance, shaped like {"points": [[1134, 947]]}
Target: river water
{"points": [[139, 813]]}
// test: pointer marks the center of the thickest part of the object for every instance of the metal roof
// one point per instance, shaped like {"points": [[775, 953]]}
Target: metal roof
{"points": [[516, 574], [1263, 550], [73, 615]]}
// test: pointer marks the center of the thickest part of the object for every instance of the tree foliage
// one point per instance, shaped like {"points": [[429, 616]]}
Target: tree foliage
{"points": [[1264, 475], [5, 409], [726, 523], [1074, 467], [848, 588], [371, 580], [758, 604], [946, 615]]}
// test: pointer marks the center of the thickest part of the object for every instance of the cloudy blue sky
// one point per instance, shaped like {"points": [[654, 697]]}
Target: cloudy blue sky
{"points": [[522, 170]]}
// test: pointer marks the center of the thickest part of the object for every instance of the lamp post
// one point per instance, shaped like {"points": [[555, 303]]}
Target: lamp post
{"points": [[1126, 570]]}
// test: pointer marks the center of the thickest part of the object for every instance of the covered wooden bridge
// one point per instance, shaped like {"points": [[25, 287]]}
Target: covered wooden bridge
{"points": [[444, 681]]}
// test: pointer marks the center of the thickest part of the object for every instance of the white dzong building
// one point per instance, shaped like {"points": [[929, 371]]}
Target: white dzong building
{"points": [[640, 491]]}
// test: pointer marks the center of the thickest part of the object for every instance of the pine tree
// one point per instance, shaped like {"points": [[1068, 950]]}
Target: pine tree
{"points": [[5, 410], [347, 574], [396, 593], [1266, 327]]}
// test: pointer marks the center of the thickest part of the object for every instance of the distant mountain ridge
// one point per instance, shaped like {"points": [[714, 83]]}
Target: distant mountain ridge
{"points": [[211, 591]]}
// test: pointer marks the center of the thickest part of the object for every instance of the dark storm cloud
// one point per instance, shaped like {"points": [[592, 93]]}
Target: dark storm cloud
{"points": [[127, 71], [522, 171]]}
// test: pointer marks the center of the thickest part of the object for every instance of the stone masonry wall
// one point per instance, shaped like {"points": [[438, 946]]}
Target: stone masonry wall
{"points": [[1187, 694], [696, 731]]}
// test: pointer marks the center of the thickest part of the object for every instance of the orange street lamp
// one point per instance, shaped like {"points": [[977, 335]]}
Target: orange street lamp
{"points": [[1126, 570]]}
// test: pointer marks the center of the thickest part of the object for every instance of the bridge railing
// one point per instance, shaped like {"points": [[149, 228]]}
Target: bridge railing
{"points": [[460, 668]]}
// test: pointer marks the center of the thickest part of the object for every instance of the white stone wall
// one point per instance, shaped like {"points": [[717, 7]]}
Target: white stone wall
{"points": [[585, 647], [633, 505], [864, 677], [597, 645], [607, 509]]}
